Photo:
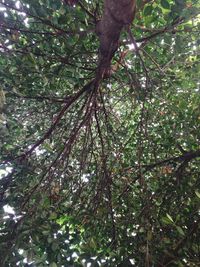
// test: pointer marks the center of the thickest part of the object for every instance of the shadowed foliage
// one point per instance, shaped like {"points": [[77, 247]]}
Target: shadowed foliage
{"points": [[99, 133]]}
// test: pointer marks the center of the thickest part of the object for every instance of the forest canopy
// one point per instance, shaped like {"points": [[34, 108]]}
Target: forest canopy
{"points": [[99, 133]]}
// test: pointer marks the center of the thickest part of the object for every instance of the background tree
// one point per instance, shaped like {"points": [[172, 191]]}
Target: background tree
{"points": [[99, 147]]}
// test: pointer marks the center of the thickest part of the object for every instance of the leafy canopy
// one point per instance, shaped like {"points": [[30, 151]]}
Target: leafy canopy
{"points": [[107, 177]]}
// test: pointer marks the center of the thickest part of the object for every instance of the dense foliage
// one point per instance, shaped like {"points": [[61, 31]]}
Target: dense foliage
{"points": [[107, 177]]}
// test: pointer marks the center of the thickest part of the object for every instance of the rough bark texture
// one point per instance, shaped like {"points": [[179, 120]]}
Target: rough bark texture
{"points": [[117, 14]]}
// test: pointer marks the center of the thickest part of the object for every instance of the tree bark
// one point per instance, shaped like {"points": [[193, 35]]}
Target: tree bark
{"points": [[117, 14]]}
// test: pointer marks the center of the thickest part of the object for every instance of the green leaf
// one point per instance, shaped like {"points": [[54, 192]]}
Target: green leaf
{"points": [[180, 230], [47, 147], [165, 220], [148, 10], [53, 264], [169, 217], [197, 193], [165, 4]]}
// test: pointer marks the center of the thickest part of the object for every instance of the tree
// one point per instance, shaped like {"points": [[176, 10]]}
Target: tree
{"points": [[99, 131]]}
